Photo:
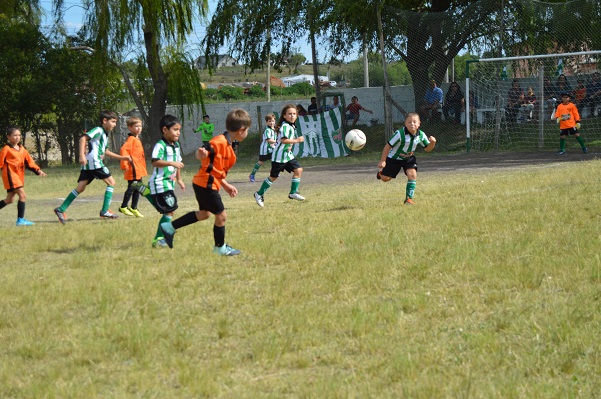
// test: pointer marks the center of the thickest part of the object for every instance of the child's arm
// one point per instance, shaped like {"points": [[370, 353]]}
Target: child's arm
{"points": [[159, 163], [384, 155], [117, 156], [83, 141], [430, 146], [366, 110], [203, 152], [178, 179], [231, 190]]}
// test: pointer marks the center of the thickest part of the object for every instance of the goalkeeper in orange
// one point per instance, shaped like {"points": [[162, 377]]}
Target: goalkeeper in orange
{"points": [[569, 122]]}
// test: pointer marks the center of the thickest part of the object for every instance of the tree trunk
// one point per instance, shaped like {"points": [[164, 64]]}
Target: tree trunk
{"points": [[158, 105]]}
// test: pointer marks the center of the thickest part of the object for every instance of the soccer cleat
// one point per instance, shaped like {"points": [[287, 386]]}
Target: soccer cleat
{"points": [[108, 215], [159, 243], [408, 201], [379, 175], [62, 216], [141, 188], [126, 211], [251, 178], [24, 222], [585, 150], [561, 152], [296, 196], [226, 250], [168, 232], [259, 199], [136, 213]]}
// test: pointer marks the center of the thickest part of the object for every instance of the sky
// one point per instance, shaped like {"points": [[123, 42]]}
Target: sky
{"points": [[74, 18]]}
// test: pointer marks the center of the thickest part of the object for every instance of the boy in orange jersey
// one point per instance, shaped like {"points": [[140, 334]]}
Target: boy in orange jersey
{"points": [[13, 161], [135, 170], [217, 157], [569, 122]]}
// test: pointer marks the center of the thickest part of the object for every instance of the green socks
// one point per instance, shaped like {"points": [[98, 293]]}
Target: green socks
{"points": [[70, 198], [108, 196], [581, 142], [410, 189], [255, 169], [294, 185], [562, 144], [164, 219], [266, 184]]}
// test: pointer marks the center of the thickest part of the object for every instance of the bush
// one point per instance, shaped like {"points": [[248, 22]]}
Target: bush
{"points": [[256, 91], [304, 88], [231, 93], [211, 94]]}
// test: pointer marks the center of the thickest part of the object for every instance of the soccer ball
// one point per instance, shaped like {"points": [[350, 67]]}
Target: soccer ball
{"points": [[355, 139]]}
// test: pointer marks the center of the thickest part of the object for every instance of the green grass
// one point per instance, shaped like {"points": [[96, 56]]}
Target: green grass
{"points": [[488, 287]]}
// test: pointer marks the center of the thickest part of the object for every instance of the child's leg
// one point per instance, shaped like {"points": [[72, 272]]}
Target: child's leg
{"points": [[164, 219], [266, 184], [128, 194], [296, 178], [411, 183], [8, 200], [81, 187], [562, 143], [219, 229], [580, 140], [108, 193], [256, 167]]}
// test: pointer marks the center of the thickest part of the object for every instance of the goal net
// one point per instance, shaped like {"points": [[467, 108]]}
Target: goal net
{"points": [[512, 100]]}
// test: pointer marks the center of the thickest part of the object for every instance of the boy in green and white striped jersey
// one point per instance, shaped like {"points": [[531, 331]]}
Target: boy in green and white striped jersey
{"points": [[166, 170], [282, 157], [267, 145], [399, 153], [92, 165]]}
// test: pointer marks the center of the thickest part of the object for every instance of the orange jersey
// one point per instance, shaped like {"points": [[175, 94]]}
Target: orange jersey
{"points": [[13, 163], [133, 148], [214, 168], [568, 115]]}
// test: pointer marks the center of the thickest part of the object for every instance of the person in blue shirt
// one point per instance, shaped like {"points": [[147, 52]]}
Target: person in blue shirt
{"points": [[432, 102]]}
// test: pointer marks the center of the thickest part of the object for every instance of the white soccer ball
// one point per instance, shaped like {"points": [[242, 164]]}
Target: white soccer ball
{"points": [[355, 139]]}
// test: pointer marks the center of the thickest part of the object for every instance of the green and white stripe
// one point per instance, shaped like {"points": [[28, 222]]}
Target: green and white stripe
{"points": [[403, 143], [267, 148], [96, 147], [283, 152], [323, 135], [163, 179]]}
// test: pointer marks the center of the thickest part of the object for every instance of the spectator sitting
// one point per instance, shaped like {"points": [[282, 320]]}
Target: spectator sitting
{"points": [[529, 103], [312, 109], [454, 101], [515, 98], [300, 110], [561, 86], [579, 94], [593, 93], [353, 110], [432, 102]]}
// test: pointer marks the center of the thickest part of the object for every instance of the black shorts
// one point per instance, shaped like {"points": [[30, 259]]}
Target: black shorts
{"points": [[165, 202], [89, 175], [277, 167], [571, 131], [393, 166], [208, 200], [264, 158]]}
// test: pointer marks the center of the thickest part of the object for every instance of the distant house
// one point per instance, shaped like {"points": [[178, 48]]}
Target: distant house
{"points": [[218, 61]]}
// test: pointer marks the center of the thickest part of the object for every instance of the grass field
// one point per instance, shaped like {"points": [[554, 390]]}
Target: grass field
{"points": [[488, 287]]}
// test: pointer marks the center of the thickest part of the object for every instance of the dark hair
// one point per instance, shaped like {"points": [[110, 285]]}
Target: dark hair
{"points": [[205, 116], [168, 121], [10, 129], [282, 119], [106, 114]]}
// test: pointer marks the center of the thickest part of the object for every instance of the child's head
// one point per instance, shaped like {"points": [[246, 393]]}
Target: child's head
{"points": [[13, 135], [565, 98], [237, 123], [354, 99], [270, 120], [170, 127], [313, 100], [289, 114], [108, 120], [412, 122], [530, 90], [335, 99], [134, 124], [206, 118]]}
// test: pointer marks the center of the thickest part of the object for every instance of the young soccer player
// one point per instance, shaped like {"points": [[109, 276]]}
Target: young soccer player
{"points": [[217, 158], [166, 170], [133, 171], [92, 165], [282, 157], [206, 129], [267, 145], [569, 122], [14, 158], [399, 153]]}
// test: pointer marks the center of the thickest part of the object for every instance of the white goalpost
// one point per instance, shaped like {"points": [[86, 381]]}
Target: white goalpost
{"points": [[497, 122]]}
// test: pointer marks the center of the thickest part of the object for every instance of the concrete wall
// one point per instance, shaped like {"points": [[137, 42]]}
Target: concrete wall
{"points": [[371, 98]]}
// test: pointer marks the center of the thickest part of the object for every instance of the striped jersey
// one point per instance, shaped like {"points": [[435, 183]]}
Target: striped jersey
{"points": [[97, 143], [403, 142], [162, 179], [282, 153], [267, 148]]}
